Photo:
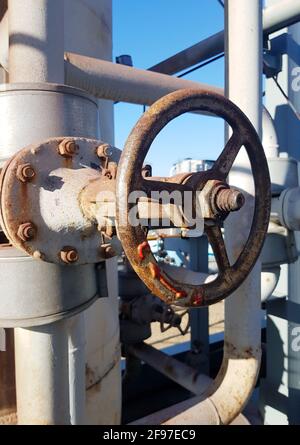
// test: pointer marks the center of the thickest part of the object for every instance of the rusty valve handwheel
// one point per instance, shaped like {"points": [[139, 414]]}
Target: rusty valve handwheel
{"points": [[133, 238]]}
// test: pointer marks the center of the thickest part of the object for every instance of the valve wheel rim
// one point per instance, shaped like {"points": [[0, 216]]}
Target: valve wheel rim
{"points": [[133, 239]]}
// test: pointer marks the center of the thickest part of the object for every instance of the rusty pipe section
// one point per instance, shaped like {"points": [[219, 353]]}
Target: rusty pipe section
{"points": [[107, 80], [187, 377]]}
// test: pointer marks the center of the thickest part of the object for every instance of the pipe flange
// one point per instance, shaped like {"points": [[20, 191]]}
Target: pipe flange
{"points": [[39, 200]]}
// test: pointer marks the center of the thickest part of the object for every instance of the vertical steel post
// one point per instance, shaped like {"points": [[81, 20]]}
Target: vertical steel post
{"points": [[42, 374], [77, 361], [244, 87], [280, 401], [36, 54]]}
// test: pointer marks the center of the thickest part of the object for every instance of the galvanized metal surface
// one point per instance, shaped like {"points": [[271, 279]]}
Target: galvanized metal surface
{"points": [[133, 238]]}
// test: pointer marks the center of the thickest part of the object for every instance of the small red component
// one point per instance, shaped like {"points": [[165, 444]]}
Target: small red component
{"points": [[141, 249], [180, 294], [155, 271], [197, 300]]}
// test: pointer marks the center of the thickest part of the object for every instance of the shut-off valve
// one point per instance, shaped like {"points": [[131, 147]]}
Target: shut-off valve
{"points": [[65, 200]]}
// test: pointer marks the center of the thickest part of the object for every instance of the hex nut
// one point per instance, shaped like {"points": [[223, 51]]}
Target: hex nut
{"points": [[25, 172], [104, 151], [38, 255], [68, 148], [69, 255], [26, 231], [107, 251], [108, 174]]}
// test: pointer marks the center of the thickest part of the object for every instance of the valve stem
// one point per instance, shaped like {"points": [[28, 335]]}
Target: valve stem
{"points": [[228, 200]]}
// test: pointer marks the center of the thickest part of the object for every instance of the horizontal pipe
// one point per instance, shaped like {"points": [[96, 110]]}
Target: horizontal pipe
{"points": [[280, 15], [187, 377], [275, 17], [107, 80], [206, 49]]}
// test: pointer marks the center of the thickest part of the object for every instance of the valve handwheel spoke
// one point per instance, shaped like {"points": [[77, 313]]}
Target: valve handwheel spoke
{"points": [[216, 197], [216, 240], [226, 159]]}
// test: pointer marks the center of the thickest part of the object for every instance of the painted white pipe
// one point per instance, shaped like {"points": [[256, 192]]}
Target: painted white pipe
{"points": [[269, 135], [120, 83], [269, 281], [42, 375], [77, 361], [280, 15], [275, 17], [107, 80], [269, 278], [36, 47], [242, 309], [175, 370], [36, 35], [237, 377]]}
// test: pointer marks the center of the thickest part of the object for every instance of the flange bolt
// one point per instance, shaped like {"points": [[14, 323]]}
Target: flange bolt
{"points": [[25, 172], [107, 251], [104, 151], [69, 255], [68, 148], [26, 231]]}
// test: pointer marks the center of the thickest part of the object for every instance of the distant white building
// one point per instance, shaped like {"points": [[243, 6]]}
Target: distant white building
{"points": [[190, 165]]}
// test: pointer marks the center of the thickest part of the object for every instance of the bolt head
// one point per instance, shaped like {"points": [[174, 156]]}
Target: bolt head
{"points": [[147, 171], [25, 173], [38, 255], [104, 151], [108, 175], [26, 231], [67, 148], [69, 255], [107, 251]]}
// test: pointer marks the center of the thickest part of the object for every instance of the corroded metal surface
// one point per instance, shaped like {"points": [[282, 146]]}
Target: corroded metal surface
{"points": [[41, 212], [7, 380], [133, 238]]}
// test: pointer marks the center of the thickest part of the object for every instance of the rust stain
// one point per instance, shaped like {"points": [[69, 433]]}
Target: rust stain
{"points": [[7, 378], [225, 199]]}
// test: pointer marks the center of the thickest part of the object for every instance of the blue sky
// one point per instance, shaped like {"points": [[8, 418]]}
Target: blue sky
{"points": [[150, 31]]}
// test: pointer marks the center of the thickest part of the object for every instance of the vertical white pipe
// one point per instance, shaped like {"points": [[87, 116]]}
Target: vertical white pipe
{"points": [[77, 360], [244, 88], [236, 379], [269, 135], [36, 35], [42, 375], [36, 54]]}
